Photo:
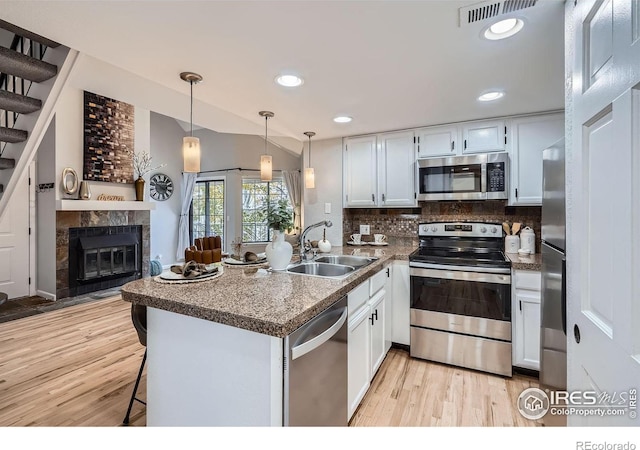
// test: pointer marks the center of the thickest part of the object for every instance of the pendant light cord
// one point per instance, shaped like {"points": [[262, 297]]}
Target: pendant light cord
{"points": [[266, 118], [309, 151], [191, 113]]}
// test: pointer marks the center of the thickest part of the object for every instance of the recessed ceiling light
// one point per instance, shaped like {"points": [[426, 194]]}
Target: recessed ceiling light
{"points": [[342, 119], [503, 29], [489, 96], [289, 80]]}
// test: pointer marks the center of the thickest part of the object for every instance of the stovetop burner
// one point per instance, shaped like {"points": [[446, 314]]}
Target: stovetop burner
{"points": [[463, 244]]}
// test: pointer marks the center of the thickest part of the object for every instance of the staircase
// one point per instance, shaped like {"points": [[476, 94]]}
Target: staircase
{"points": [[29, 88]]}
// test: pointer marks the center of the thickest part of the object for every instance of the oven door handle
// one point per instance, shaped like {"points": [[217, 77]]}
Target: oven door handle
{"points": [[448, 267], [459, 275]]}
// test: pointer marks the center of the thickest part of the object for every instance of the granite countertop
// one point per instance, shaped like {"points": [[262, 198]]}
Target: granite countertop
{"points": [[257, 299], [529, 262]]}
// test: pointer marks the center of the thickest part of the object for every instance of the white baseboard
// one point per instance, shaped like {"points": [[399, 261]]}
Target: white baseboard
{"points": [[45, 294]]}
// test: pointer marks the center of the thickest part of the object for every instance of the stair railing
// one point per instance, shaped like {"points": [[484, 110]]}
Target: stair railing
{"points": [[17, 85]]}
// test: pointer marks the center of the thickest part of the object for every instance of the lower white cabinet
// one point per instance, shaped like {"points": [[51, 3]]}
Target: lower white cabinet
{"points": [[367, 340], [388, 308], [525, 314], [400, 330], [377, 319], [359, 345]]}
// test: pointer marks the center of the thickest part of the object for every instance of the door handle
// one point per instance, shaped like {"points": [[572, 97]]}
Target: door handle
{"points": [[383, 197], [563, 296], [375, 314], [303, 349], [373, 198], [371, 319], [576, 333]]}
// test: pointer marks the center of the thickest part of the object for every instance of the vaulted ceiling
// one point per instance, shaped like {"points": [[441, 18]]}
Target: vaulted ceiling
{"points": [[388, 64]]}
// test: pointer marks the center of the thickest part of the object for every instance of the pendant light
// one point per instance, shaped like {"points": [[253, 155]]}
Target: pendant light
{"points": [[266, 166], [309, 175], [190, 144]]}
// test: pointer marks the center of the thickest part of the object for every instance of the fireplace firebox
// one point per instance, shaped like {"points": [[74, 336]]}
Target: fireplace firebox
{"points": [[103, 257]]}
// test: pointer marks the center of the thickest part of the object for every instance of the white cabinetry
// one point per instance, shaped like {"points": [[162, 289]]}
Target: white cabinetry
{"points": [[360, 172], [484, 136], [529, 137], [437, 141], [388, 308], [526, 318], [400, 330], [366, 341], [379, 170]]}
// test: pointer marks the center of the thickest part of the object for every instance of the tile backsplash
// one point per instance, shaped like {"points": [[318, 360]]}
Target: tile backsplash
{"points": [[401, 225]]}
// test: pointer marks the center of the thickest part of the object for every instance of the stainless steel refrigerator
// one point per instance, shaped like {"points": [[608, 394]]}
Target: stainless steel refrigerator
{"points": [[553, 336]]}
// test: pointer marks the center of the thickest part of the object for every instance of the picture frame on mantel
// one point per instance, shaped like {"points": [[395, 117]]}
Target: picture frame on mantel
{"points": [[108, 139]]}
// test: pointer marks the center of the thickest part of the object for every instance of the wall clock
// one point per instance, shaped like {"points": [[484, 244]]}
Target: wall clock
{"points": [[161, 187]]}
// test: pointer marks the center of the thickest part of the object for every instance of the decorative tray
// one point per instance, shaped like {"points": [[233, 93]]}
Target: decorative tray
{"points": [[169, 277]]}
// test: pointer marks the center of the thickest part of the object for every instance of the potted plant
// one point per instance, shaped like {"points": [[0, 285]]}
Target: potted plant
{"points": [[280, 220], [142, 166]]}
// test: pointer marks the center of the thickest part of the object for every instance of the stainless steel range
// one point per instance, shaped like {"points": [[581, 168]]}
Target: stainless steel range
{"points": [[461, 296]]}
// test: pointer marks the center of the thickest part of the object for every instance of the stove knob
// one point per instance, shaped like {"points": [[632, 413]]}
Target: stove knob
{"points": [[494, 230], [434, 229], [483, 229]]}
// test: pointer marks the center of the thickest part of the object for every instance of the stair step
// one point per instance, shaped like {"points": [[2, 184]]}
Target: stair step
{"points": [[7, 163], [19, 103], [23, 66], [28, 34], [12, 135]]}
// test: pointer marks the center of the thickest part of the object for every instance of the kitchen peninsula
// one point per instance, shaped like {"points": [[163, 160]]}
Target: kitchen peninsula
{"points": [[215, 348]]}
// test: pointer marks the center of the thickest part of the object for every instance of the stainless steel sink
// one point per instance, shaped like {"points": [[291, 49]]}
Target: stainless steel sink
{"points": [[347, 260], [320, 269]]}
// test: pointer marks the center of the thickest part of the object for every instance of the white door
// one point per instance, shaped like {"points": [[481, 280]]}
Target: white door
{"points": [[530, 136], [400, 328], [14, 243], [397, 169], [360, 173], [437, 141], [484, 136], [388, 308], [603, 203], [526, 319]]}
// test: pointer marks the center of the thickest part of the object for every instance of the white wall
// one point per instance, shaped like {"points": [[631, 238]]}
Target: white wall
{"points": [[46, 216], [326, 160], [166, 144]]}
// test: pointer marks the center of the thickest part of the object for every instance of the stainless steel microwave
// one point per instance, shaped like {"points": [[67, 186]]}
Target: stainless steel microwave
{"points": [[472, 177]]}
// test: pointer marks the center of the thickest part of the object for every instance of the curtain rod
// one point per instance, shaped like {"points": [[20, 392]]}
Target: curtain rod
{"points": [[246, 170]]}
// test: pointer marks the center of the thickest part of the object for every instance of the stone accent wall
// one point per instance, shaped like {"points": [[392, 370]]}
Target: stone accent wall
{"points": [[73, 219], [401, 225]]}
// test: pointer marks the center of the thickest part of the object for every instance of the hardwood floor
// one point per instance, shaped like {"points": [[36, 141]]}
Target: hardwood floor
{"points": [[71, 367], [409, 392], [76, 367]]}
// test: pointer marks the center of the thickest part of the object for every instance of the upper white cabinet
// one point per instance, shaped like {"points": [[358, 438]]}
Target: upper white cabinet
{"points": [[484, 136], [529, 137], [437, 141], [379, 170], [360, 171]]}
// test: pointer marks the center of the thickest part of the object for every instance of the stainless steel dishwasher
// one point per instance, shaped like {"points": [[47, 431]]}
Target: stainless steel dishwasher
{"points": [[315, 370]]}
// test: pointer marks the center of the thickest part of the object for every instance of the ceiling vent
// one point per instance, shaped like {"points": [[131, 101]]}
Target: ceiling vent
{"points": [[487, 10]]}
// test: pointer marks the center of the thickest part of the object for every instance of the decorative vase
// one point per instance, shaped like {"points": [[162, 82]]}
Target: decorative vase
{"points": [[278, 251], [140, 189], [84, 193]]}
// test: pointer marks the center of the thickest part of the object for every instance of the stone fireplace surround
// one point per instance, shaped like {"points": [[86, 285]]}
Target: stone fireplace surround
{"points": [[84, 219]]}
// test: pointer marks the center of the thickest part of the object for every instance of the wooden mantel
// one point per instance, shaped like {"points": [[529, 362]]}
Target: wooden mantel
{"points": [[100, 205]]}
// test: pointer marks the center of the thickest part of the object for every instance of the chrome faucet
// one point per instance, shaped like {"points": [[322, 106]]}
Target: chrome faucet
{"points": [[306, 246]]}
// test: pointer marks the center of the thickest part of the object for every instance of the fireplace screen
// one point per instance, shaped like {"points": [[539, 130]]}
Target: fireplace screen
{"points": [[107, 255]]}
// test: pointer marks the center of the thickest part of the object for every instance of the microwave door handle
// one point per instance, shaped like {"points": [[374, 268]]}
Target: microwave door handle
{"points": [[483, 179]]}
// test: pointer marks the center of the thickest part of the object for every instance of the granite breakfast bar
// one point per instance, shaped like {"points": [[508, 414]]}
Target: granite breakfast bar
{"points": [[215, 348]]}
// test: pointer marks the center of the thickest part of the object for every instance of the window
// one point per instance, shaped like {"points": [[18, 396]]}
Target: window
{"points": [[207, 209], [254, 197]]}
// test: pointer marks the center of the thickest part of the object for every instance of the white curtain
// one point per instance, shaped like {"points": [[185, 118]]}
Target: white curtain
{"points": [[293, 180], [188, 184]]}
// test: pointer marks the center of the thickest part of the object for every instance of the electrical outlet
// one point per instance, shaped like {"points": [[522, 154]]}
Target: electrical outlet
{"points": [[365, 230]]}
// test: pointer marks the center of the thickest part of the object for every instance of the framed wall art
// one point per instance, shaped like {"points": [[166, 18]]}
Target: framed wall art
{"points": [[108, 139]]}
